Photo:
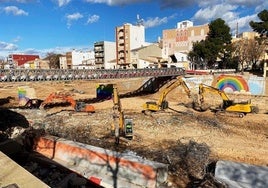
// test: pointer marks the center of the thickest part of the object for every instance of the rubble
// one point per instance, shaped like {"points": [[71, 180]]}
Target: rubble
{"points": [[186, 140]]}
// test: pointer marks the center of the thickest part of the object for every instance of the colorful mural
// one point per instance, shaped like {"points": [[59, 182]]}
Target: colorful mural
{"points": [[25, 93], [231, 83]]}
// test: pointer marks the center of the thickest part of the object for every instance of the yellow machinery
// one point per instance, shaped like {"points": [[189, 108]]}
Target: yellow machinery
{"points": [[162, 104], [240, 108], [121, 125]]}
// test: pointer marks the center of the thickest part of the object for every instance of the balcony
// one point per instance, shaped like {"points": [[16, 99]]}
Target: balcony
{"points": [[98, 49]]}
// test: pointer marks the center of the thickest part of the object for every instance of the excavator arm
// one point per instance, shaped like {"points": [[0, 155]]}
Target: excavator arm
{"points": [[55, 98], [59, 97], [240, 108], [177, 83], [205, 88], [120, 125], [162, 103]]}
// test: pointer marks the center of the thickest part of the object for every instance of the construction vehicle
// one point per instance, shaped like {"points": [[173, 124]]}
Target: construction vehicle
{"points": [[121, 125], [59, 97], [33, 104], [227, 106], [162, 103]]}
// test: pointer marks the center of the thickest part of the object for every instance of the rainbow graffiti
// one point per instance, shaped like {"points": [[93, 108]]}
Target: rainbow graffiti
{"points": [[229, 83]]}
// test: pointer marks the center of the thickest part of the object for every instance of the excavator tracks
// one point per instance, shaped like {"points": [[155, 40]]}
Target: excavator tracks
{"points": [[229, 114]]}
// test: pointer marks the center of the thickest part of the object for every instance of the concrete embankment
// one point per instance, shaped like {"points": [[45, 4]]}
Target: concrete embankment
{"points": [[13, 175], [241, 175], [104, 167]]}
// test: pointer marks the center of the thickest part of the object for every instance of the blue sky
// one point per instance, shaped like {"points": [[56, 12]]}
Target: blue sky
{"points": [[43, 26]]}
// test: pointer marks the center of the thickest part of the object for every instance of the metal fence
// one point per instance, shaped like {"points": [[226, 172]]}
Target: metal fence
{"points": [[20, 75]]}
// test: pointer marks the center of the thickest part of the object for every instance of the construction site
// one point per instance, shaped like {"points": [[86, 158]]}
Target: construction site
{"points": [[67, 134]]}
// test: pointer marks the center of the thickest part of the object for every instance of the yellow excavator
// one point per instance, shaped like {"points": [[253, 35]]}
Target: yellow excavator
{"points": [[121, 125], [227, 106], [162, 103]]}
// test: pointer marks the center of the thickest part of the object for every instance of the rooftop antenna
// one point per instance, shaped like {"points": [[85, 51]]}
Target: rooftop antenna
{"points": [[139, 20]]}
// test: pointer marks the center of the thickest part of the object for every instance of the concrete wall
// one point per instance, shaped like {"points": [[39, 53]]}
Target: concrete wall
{"points": [[246, 84], [103, 167]]}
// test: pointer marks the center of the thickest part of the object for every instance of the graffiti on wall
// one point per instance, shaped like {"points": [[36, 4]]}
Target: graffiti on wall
{"points": [[231, 83], [235, 83]]}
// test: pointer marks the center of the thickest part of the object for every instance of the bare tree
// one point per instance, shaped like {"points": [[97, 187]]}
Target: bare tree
{"points": [[241, 53], [54, 60], [256, 49]]}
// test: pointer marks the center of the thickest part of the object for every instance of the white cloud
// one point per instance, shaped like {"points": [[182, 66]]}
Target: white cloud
{"points": [[58, 50], [117, 2], [230, 11], [98, 1], [153, 22], [15, 11], [262, 6], [208, 14], [4, 46], [73, 17], [242, 23], [247, 3], [63, 2], [92, 19]]}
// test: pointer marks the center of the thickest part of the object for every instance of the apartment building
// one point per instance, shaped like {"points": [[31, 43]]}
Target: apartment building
{"points": [[128, 37], [63, 62], [181, 39], [105, 55], [77, 59]]}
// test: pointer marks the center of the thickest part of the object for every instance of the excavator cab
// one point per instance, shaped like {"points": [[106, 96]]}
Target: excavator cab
{"points": [[227, 103], [128, 128], [79, 106], [83, 107]]}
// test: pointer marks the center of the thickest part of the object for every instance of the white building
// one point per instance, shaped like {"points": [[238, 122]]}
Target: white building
{"points": [[63, 62], [105, 55], [81, 58], [184, 24], [179, 59], [78, 59]]}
